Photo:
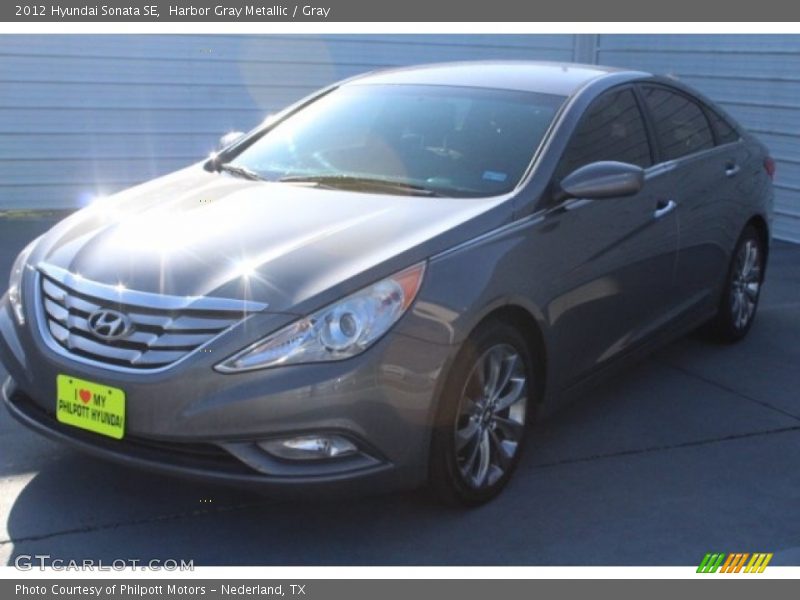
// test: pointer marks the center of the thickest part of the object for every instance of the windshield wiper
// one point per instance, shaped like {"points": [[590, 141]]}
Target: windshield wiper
{"points": [[351, 181], [241, 172]]}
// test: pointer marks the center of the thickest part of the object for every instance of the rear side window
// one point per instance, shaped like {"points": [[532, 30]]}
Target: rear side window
{"points": [[611, 129], [681, 125], [724, 131]]}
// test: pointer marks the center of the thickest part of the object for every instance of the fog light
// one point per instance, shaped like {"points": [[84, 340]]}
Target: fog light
{"points": [[311, 447]]}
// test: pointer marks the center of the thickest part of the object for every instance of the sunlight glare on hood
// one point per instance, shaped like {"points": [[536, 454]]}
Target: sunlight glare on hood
{"points": [[246, 268], [104, 207]]}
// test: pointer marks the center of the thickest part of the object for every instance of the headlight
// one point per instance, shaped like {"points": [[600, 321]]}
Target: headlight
{"points": [[15, 282], [341, 330]]}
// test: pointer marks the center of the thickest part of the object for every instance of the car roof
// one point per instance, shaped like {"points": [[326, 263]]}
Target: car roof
{"points": [[559, 78]]}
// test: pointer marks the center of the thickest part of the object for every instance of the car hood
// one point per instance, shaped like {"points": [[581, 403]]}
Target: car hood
{"points": [[194, 233]]}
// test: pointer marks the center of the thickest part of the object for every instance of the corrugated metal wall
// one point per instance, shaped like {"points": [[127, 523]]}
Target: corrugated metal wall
{"points": [[83, 115], [754, 77]]}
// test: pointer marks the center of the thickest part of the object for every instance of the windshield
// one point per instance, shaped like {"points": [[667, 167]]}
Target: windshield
{"points": [[453, 141]]}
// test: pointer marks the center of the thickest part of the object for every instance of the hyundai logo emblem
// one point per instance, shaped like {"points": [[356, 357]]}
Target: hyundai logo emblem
{"points": [[109, 325]]}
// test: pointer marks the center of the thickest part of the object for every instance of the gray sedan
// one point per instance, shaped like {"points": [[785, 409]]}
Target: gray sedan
{"points": [[385, 283]]}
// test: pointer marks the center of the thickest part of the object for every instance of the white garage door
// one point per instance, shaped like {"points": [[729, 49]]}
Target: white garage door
{"points": [[86, 115]]}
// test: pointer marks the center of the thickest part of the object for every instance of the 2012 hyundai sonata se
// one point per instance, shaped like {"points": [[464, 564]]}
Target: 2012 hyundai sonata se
{"points": [[383, 284]]}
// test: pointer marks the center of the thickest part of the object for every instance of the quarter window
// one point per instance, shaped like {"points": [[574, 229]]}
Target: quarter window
{"points": [[725, 133], [611, 129], [680, 123]]}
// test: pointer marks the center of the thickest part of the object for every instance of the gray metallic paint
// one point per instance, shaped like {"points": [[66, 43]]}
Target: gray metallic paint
{"points": [[600, 279]]}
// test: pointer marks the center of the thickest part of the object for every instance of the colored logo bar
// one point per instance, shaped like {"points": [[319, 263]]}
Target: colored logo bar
{"points": [[734, 562]]}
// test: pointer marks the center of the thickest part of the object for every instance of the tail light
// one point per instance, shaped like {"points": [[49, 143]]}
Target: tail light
{"points": [[769, 167]]}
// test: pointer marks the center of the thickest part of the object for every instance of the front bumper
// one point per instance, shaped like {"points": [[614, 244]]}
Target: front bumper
{"points": [[193, 421]]}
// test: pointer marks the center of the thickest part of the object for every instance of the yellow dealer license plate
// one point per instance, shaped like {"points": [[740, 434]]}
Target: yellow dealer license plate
{"points": [[93, 406]]}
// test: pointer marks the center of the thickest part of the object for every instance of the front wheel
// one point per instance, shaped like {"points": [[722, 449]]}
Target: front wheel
{"points": [[481, 424], [739, 302]]}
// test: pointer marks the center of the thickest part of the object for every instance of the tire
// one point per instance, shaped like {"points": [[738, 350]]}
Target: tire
{"points": [[742, 290], [480, 429]]}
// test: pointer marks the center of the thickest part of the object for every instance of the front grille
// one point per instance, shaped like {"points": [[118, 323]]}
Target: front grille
{"points": [[163, 328]]}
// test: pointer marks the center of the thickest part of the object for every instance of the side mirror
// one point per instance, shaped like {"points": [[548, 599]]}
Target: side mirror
{"points": [[604, 179], [229, 139]]}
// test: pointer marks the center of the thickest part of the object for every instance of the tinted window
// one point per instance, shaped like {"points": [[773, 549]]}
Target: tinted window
{"points": [[611, 129], [724, 131], [457, 141], [680, 123]]}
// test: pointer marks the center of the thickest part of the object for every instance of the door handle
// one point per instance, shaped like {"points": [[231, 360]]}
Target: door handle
{"points": [[732, 169], [664, 207]]}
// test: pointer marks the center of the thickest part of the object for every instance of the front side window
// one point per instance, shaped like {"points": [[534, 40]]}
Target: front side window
{"points": [[681, 125], [454, 141], [611, 129]]}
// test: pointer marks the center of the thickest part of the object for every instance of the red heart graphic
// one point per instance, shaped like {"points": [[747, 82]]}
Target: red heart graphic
{"points": [[85, 395]]}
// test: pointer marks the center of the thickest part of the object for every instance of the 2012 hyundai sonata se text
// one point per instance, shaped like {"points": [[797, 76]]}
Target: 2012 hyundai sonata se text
{"points": [[385, 283]]}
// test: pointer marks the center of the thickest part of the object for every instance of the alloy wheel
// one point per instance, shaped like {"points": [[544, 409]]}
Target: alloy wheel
{"points": [[745, 284], [490, 419]]}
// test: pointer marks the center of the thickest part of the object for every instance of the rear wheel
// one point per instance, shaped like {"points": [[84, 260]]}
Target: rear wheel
{"points": [[739, 301], [481, 426]]}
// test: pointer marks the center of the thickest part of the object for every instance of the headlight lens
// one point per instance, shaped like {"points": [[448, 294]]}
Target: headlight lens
{"points": [[15, 283], [341, 330]]}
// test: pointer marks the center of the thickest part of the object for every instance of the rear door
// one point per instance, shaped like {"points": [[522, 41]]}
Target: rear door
{"points": [[706, 161]]}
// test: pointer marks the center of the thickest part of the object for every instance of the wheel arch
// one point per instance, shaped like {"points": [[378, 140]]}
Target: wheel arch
{"points": [[516, 313], [522, 319], [759, 223]]}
